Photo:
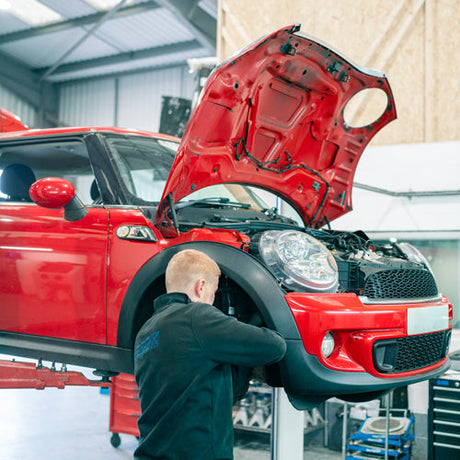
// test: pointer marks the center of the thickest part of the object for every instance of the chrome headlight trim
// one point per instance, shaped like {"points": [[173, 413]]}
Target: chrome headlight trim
{"points": [[299, 261]]}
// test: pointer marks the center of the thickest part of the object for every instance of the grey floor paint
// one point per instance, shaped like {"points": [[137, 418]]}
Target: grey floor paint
{"points": [[73, 424]]}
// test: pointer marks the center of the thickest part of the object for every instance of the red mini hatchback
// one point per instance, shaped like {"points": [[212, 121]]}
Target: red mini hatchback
{"points": [[89, 218]]}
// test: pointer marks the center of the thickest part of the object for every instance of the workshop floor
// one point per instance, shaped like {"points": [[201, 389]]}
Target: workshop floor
{"points": [[73, 424]]}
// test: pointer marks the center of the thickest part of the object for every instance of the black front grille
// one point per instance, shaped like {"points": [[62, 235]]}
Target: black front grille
{"points": [[400, 284], [410, 353]]}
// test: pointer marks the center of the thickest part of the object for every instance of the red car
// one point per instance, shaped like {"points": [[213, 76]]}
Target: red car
{"points": [[89, 218]]}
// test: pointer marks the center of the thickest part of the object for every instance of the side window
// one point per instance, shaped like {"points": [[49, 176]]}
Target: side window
{"points": [[143, 164], [22, 165]]}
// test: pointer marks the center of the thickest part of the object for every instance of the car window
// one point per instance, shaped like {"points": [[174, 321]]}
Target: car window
{"points": [[143, 164], [257, 198], [21, 165]]}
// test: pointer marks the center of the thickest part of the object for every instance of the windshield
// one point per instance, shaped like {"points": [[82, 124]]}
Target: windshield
{"points": [[143, 163], [248, 197]]}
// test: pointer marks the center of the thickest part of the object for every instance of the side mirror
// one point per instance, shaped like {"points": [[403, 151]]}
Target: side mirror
{"points": [[55, 193]]}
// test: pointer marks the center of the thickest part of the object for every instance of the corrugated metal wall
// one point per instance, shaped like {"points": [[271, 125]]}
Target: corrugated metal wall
{"points": [[132, 100], [10, 101], [87, 103]]}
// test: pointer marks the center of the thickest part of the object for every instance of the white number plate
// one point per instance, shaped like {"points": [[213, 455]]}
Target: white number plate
{"points": [[427, 319]]}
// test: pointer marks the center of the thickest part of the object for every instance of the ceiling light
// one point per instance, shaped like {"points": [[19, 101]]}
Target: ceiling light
{"points": [[31, 12], [5, 5], [102, 5]]}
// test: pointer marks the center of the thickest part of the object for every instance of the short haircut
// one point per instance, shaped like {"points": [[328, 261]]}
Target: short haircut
{"points": [[188, 266]]}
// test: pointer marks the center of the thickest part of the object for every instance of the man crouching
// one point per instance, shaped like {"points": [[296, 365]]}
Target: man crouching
{"points": [[183, 365]]}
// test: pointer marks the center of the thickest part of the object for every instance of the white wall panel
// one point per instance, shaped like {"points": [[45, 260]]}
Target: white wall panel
{"points": [[10, 101], [88, 103], [426, 167], [132, 101], [140, 95]]}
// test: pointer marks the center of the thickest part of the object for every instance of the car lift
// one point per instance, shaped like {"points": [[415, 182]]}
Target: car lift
{"points": [[15, 374], [287, 423]]}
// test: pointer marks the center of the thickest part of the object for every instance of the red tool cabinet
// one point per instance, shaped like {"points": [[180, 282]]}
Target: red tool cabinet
{"points": [[125, 407]]}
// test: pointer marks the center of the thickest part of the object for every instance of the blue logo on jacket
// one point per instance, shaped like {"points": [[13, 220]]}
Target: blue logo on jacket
{"points": [[148, 344]]}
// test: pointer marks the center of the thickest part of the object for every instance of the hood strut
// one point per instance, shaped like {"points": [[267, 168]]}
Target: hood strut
{"points": [[173, 214]]}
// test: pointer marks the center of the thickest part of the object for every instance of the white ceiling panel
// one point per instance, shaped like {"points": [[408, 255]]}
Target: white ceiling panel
{"points": [[146, 30], [70, 8], [178, 58], [89, 42], [10, 23], [43, 51]]}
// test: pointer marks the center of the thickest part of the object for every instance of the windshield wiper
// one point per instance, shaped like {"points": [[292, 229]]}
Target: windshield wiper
{"points": [[219, 201]]}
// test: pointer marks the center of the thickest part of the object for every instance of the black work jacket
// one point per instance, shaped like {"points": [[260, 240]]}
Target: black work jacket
{"points": [[183, 358]]}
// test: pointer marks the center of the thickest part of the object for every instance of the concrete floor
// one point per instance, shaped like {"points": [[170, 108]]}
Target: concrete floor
{"points": [[73, 423]]}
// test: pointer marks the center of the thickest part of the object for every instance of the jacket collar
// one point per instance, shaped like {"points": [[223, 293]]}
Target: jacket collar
{"points": [[166, 300]]}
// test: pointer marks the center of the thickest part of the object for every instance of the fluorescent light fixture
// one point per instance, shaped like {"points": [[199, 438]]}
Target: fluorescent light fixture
{"points": [[5, 5], [31, 12], [102, 5]]}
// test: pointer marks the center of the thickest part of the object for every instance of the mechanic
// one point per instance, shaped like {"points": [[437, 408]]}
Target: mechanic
{"points": [[184, 357]]}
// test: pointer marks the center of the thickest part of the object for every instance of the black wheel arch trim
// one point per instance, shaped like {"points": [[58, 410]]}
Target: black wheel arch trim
{"points": [[243, 268]]}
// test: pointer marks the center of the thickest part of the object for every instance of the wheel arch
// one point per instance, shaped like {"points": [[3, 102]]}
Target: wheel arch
{"points": [[243, 268]]}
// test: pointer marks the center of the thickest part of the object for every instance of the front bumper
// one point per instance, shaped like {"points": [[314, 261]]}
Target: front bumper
{"points": [[307, 382], [366, 337]]}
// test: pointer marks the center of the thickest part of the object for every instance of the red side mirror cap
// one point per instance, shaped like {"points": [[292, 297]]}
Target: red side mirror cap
{"points": [[52, 192]]}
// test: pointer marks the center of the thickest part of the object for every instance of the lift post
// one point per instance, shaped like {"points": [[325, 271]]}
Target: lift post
{"points": [[287, 428], [15, 374]]}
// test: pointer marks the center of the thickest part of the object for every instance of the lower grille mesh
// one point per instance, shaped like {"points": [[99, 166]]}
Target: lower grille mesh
{"points": [[415, 352], [400, 284]]}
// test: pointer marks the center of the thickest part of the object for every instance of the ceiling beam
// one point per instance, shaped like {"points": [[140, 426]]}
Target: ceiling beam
{"points": [[23, 82], [96, 64], [196, 20], [108, 15], [123, 73], [20, 80], [90, 19]]}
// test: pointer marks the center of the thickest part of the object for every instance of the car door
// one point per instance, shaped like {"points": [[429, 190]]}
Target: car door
{"points": [[52, 271]]}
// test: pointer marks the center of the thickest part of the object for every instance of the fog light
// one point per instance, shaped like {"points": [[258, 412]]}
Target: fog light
{"points": [[327, 347]]}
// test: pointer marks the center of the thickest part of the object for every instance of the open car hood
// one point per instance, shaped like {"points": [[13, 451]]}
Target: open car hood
{"points": [[273, 116]]}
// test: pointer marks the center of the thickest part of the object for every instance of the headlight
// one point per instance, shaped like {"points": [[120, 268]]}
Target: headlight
{"points": [[299, 260], [414, 255]]}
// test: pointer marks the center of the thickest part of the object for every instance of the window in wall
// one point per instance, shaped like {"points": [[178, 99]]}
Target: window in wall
{"points": [[444, 257]]}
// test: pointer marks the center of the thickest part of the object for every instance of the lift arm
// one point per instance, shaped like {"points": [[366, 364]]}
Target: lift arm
{"points": [[14, 374]]}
